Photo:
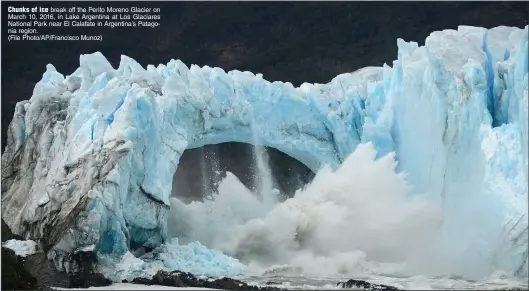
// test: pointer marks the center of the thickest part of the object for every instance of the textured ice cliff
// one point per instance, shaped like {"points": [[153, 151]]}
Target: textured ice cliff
{"points": [[91, 156]]}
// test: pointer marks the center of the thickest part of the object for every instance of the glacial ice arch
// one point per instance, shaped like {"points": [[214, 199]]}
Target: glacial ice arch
{"points": [[124, 130], [210, 107], [90, 157]]}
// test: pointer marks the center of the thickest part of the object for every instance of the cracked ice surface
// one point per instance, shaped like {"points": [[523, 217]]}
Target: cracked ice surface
{"points": [[91, 156]]}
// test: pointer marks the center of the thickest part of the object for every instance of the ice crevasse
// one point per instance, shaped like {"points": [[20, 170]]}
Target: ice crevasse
{"points": [[91, 156]]}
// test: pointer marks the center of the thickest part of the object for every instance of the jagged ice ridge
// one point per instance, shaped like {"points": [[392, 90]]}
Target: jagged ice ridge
{"points": [[91, 156]]}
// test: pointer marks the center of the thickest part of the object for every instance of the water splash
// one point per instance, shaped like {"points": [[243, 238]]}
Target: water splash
{"points": [[206, 190], [263, 176], [357, 220]]}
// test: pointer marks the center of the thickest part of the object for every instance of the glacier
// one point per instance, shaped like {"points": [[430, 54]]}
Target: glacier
{"points": [[90, 157]]}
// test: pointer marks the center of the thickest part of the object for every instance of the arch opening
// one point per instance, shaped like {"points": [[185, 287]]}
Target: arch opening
{"points": [[201, 169]]}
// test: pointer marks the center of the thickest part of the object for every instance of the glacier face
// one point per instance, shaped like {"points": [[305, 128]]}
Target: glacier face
{"points": [[91, 156]]}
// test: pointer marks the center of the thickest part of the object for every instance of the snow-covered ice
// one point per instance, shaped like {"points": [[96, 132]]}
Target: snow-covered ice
{"points": [[21, 248], [91, 156]]}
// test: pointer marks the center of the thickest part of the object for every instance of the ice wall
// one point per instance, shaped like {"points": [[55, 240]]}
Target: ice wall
{"points": [[91, 156]]}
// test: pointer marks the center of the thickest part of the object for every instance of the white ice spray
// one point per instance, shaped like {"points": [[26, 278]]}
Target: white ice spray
{"points": [[359, 211], [263, 175], [358, 219]]}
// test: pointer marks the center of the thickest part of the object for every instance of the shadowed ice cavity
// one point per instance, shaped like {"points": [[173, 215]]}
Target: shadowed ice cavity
{"points": [[201, 169]]}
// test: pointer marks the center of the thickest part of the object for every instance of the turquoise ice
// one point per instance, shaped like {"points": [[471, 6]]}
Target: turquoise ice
{"points": [[102, 144]]}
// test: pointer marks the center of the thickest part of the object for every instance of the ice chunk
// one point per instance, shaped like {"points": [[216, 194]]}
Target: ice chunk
{"points": [[21, 248], [192, 257]]}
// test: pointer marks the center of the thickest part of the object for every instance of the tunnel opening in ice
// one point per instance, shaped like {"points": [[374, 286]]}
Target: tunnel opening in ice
{"points": [[200, 170], [219, 187]]}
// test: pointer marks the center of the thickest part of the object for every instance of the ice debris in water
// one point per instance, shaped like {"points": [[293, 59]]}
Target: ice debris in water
{"points": [[199, 260], [192, 257]]}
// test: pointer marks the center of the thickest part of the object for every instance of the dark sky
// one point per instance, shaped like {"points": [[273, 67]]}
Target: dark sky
{"points": [[286, 41]]}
